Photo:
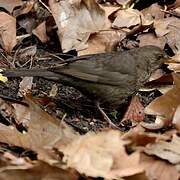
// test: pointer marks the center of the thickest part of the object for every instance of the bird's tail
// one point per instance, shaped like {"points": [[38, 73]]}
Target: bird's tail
{"points": [[27, 72]]}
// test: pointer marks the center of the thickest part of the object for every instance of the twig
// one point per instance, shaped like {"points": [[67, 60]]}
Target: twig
{"points": [[45, 6]]}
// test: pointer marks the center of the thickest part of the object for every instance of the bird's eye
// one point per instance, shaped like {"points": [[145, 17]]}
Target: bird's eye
{"points": [[160, 56]]}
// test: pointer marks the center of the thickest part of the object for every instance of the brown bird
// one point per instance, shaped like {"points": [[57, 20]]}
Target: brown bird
{"points": [[106, 78]]}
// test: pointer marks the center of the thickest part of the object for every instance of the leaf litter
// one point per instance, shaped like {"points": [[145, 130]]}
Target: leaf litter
{"points": [[36, 134]]}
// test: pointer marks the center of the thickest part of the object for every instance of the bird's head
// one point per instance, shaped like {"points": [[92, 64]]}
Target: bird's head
{"points": [[154, 56]]}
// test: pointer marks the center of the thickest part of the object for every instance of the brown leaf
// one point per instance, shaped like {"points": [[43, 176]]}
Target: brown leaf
{"points": [[135, 111], [165, 150], [154, 11], [128, 18], [44, 130], [40, 171], [25, 85], [104, 41], [40, 32], [166, 104], [158, 169], [109, 11], [101, 155], [161, 28], [24, 9], [76, 20], [9, 5], [151, 39], [139, 137], [7, 31], [169, 28], [176, 118]]}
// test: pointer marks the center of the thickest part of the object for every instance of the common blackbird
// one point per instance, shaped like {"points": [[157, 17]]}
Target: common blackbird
{"points": [[104, 78]]}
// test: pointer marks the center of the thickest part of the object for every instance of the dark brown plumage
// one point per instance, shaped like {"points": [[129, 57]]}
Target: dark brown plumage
{"points": [[106, 77]]}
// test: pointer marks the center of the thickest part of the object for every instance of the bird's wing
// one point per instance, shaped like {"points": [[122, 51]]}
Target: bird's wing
{"points": [[101, 69]]}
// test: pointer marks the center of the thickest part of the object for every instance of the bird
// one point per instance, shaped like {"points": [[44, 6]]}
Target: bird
{"points": [[105, 78]]}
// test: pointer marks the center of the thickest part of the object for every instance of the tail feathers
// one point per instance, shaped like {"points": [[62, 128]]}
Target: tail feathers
{"points": [[28, 73]]}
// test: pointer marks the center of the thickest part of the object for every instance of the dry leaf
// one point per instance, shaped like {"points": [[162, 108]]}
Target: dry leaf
{"points": [[166, 104], [76, 20], [40, 171], [6, 110], [128, 18], [101, 155], [166, 150], [154, 11], [40, 32], [158, 169], [139, 137], [104, 41], [21, 114], [161, 28], [176, 118], [9, 5], [135, 111], [7, 31], [109, 11], [24, 9], [151, 39], [44, 131], [25, 85], [169, 28]]}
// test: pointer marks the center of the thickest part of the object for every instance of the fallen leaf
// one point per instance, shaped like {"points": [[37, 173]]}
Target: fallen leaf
{"points": [[109, 11], [166, 104], [76, 20], [6, 110], [40, 171], [176, 118], [135, 111], [165, 150], [161, 28], [128, 18], [101, 155], [9, 5], [158, 169], [24, 9], [169, 28], [151, 39], [139, 137], [104, 41], [44, 130], [25, 85], [7, 31], [21, 114], [154, 11], [40, 32]]}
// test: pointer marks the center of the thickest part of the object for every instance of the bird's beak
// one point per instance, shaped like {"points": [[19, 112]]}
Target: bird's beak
{"points": [[170, 60]]}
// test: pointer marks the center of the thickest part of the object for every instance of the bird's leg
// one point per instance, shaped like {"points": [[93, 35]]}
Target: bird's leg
{"points": [[111, 124]]}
